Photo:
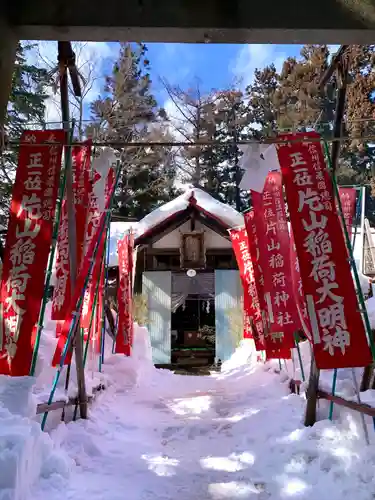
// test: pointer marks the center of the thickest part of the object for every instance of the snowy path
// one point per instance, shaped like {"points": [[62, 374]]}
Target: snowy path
{"points": [[239, 438]]}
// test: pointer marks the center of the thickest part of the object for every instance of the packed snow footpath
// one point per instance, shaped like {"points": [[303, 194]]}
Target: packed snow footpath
{"points": [[234, 435]]}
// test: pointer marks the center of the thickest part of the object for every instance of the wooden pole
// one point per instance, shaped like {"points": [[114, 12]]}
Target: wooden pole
{"points": [[63, 49], [312, 393]]}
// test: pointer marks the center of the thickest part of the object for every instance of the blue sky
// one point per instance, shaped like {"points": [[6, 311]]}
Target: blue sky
{"points": [[216, 66]]}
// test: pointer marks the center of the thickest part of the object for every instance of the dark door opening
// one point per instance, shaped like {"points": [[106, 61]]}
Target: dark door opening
{"points": [[193, 332]]}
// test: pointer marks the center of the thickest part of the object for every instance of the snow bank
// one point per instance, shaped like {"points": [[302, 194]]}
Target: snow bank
{"points": [[26, 453]]}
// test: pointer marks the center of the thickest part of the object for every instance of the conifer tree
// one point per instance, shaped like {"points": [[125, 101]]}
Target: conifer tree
{"points": [[126, 113]]}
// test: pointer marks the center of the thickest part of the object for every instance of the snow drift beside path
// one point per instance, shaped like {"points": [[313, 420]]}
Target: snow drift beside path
{"points": [[234, 435], [26, 453]]}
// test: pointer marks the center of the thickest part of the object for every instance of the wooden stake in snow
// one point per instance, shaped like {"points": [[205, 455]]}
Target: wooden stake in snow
{"points": [[66, 60]]}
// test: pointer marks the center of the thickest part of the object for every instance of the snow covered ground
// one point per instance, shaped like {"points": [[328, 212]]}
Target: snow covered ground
{"points": [[235, 435]]}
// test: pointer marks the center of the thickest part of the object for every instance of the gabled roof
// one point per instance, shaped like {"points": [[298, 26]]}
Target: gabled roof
{"points": [[193, 197], [177, 210]]}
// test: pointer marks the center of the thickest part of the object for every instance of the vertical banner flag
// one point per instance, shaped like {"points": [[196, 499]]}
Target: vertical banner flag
{"points": [[240, 246], [123, 337], [94, 213], [338, 334], [272, 231], [81, 279], [81, 191], [131, 271], [348, 201], [299, 295], [29, 237], [268, 344]]}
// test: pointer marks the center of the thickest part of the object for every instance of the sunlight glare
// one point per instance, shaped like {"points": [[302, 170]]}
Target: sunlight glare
{"points": [[161, 466], [232, 490], [192, 406], [293, 486], [232, 463]]}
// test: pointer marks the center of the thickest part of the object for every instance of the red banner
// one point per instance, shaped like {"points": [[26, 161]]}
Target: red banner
{"points": [[124, 298], [265, 341], [81, 191], [273, 236], [27, 247], [348, 201], [240, 244], [94, 214], [339, 339], [298, 289], [81, 278]]}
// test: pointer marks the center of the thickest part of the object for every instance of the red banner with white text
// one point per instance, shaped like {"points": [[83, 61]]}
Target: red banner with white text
{"points": [[299, 294], [338, 334], [94, 214], [81, 191], [124, 335], [273, 235], [261, 325], [96, 238], [250, 299], [348, 201], [29, 237]]}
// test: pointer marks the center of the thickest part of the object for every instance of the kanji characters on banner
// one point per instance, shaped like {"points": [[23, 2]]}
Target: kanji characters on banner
{"points": [[81, 192], [124, 337], [27, 247], [84, 272], [94, 214], [348, 201], [299, 294], [272, 231], [252, 315], [338, 334], [261, 324]]}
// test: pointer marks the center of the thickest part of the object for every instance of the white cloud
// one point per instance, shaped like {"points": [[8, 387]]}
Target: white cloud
{"points": [[252, 57]]}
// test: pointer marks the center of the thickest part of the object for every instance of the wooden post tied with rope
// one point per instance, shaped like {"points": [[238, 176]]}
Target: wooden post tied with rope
{"points": [[67, 64]]}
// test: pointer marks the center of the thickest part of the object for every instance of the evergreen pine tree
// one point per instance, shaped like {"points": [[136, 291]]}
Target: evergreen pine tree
{"points": [[127, 113], [26, 109]]}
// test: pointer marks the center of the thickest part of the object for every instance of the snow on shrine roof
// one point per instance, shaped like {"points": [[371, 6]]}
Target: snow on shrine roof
{"points": [[202, 200], [192, 196]]}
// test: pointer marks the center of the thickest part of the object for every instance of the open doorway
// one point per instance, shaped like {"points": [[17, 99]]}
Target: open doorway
{"points": [[193, 331]]}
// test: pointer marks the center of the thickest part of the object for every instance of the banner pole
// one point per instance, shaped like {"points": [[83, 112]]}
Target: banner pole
{"points": [[76, 312], [296, 340], [50, 262], [334, 380], [88, 337], [351, 259], [102, 319], [365, 430]]}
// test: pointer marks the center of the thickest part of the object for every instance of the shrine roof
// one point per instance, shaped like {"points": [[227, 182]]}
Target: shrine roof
{"points": [[193, 197]]}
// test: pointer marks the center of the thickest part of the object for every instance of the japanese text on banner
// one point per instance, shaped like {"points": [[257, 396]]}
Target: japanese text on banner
{"points": [[81, 191], [272, 230], [124, 336], [338, 333], [348, 200], [240, 244], [27, 247]]}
